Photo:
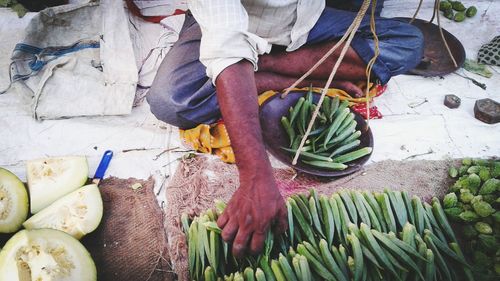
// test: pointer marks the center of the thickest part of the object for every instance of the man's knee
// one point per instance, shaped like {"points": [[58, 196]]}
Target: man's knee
{"points": [[162, 105], [403, 47], [415, 38]]}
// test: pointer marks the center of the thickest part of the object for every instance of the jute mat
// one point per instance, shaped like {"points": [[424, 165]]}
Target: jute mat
{"points": [[199, 181]]}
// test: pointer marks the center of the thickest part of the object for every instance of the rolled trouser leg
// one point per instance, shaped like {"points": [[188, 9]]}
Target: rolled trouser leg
{"points": [[181, 94]]}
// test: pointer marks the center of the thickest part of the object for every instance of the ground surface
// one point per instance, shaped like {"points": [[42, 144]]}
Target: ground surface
{"points": [[429, 131]]}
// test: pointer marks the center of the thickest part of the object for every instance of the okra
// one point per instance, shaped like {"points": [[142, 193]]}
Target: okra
{"points": [[441, 263], [408, 234], [286, 269], [376, 249], [354, 136], [264, 265], [288, 128], [212, 226], [409, 208], [419, 214], [315, 216], [330, 261], [260, 275], [358, 256], [306, 229], [456, 248], [362, 212], [343, 105], [310, 248], [238, 277], [375, 223], [383, 201], [345, 133], [398, 206], [351, 156], [249, 274], [305, 269], [278, 274], [370, 256], [403, 245], [441, 219], [315, 264], [193, 249], [393, 248], [209, 274], [203, 240], [334, 107], [349, 204], [340, 261], [432, 222], [345, 148], [344, 216], [430, 269], [336, 218], [326, 165], [443, 248], [370, 199], [214, 250], [335, 125], [309, 156], [303, 117], [309, 95], [302, 203], [328, 221], [325, 107], [345, 123], [290, 220], [185, 224]]}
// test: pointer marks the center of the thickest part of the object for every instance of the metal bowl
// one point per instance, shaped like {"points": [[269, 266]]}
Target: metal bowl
{"points": [[438, 60], [275, 136]]}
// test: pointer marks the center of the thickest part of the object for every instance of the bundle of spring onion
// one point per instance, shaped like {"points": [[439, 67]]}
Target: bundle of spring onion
{"points": [[474, 203], [350, 235], [334, 136]]}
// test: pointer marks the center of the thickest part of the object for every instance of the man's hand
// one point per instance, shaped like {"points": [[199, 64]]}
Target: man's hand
{"points": [[257, 204], [255, 207]]}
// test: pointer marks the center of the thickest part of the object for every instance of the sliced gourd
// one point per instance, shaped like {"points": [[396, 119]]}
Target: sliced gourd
{"points": [[51, 178], [13, 202], [77, 213], [45, 255]]}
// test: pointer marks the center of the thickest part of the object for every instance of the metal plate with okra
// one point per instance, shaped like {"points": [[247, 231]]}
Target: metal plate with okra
{"points": [[338, 144]]}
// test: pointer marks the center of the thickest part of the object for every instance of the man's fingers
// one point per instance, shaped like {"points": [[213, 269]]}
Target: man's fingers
{"points": [[240, 243], [257, 243], [230, 230], [281, 223], [222, 220]]}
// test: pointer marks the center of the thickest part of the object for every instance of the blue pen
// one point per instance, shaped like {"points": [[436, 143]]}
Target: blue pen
{"points": [[103, 166]]}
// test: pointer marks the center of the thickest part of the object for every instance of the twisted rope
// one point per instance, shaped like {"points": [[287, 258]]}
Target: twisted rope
{"points": [[351, 32]]}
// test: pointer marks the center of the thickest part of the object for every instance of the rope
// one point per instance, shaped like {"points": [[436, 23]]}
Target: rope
{"points": [[371, 63], [436, 8], [417, 11], [435, 11], [352, 31], [317, 64]]}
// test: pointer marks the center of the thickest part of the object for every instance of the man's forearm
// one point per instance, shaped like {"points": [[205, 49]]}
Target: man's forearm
{"points": [[237, 96]]}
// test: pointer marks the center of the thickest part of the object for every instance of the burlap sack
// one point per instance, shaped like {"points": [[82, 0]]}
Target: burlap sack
{"points": [[130, 243]]}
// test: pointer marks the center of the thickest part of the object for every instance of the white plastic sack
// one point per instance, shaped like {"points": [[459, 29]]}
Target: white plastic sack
{"points": [[83, 63]]}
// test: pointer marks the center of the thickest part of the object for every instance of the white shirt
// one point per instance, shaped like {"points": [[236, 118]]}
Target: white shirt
{"points": [[233, 30]]}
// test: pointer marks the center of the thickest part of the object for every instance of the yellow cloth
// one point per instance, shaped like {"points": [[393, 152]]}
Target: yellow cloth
{"points": [[215, 139], [210, 139]]}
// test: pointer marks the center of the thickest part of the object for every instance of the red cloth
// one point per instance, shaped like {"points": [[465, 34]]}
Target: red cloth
{"points": [[132, 7]]}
